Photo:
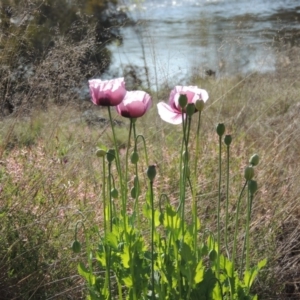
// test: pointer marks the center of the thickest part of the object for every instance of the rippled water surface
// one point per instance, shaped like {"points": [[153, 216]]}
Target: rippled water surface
{"points": [[179, 38]]}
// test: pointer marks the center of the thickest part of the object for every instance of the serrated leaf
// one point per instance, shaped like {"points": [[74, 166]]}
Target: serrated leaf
{"points": [[100, 257], [199, 273], [86, 274], [127, 281], [125, 257], [262, 264], [226, 265], [111, 240]]}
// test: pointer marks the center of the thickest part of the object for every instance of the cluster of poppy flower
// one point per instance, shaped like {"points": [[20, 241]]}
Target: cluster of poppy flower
{"points": [[134, 104]]}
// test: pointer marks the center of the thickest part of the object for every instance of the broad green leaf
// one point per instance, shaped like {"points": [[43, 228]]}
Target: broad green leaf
{"points": [[156, 218], [217, 293], [262, 264], [86, 274], [226, 265], [250, 276], [128, 281], [211, 243], [199, 274], [111, 240], [125, 257], [186, 253], [100, 257]]}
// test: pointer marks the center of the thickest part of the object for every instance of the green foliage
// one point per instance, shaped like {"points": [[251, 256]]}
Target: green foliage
{"points": [[181, 271]]}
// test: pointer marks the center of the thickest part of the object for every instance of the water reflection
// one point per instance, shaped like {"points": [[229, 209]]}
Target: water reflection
{"points": [[182, 37]]}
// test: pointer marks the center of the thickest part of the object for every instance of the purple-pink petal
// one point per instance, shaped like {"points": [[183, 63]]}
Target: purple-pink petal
{"points": [[135, 104], [168, 114], [107, 92]]}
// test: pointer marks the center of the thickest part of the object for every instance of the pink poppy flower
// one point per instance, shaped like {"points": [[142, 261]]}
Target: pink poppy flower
{"points": [[107, 92], [172, 112], [134, 105]]}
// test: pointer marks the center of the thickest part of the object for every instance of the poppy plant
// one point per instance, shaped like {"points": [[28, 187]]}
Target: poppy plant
{"points": [[107, 92], [172, 112], [134, 105]]}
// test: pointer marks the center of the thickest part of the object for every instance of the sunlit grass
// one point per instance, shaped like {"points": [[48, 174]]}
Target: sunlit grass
{"points": [[50, 178]]}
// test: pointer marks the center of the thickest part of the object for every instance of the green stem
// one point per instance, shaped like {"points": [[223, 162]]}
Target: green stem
{"points": [[236, 227], [144, 142], [195, 183], [219, 207], [249, 208], [123, 187], [104, 197], [227, 202], [152, 239]]}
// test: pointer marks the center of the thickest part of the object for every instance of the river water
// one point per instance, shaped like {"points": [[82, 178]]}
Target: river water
{"points": [[177, 39]]}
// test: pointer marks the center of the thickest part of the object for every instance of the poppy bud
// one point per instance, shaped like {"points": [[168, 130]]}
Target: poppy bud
{"points": [[190, 109], [199, 105], [114, 193], [134, 157], [227, 139], [254, 160], [220, 129], [110, 155], [252, 186], [182, 100], [151, 172], [100, 152], [249, 173], [76, 246]]}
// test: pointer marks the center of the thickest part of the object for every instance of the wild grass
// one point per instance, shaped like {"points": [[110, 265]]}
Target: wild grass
{"points": [[49, 179]]}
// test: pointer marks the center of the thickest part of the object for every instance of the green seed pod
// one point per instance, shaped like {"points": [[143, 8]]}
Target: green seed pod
{"points": [[213, 255], [220, 129], [114, 193], [254, 160], [110, 155], [227, 139], [100, 152], [134, 157], [190, 109], [182, 101], [133, 192], [76, 246], [151, 172], [135, 181], [187, 169], [252, 186], [204, 250], [199, 105], [185, 156], [249, 173]]}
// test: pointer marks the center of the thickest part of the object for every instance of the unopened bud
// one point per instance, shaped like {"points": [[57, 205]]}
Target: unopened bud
{"points": [[186, 171], [190, 109], [110, 155], [100, 152], [133, 193], [185, 156], [134, 157], [151, 172], [114, 193], [249, 173], [254, 160], [199, 104], [252, 186], [227, 139], [183, 101]]}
